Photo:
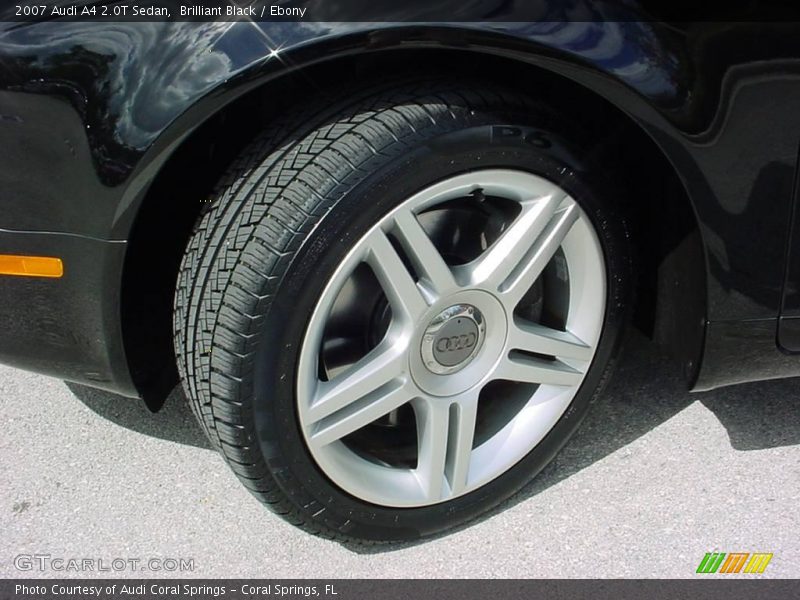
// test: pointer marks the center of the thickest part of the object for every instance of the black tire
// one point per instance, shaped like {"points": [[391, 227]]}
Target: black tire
{"points": [[284, 216]]}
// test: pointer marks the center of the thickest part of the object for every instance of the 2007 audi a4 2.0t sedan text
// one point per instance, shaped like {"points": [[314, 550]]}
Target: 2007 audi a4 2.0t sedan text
{"points": [[391, 263]]}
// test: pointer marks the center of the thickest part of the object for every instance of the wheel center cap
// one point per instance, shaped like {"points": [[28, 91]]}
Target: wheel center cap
{"points": [[452, 339]]}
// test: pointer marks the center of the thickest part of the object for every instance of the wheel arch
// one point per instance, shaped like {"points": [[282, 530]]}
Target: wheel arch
{"points": [[186, 161]]}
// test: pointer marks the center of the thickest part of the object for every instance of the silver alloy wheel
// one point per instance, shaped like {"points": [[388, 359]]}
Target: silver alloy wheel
{"points": [[491, 343]]}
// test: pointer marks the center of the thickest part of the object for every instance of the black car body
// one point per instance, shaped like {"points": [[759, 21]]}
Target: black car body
{"points": [[103, 122]]}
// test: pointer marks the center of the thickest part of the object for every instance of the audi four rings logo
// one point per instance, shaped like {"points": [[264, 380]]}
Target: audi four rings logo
{"points": [[456, 342]]}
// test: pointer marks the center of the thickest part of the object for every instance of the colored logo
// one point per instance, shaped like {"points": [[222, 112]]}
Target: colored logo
{"points": [[734, 562]]}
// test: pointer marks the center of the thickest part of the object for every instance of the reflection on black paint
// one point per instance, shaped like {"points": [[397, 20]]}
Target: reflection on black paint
{"points": [[129, 85]]}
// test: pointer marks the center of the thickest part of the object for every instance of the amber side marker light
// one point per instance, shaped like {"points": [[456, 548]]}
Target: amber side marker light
{"points": [[31, 266]]}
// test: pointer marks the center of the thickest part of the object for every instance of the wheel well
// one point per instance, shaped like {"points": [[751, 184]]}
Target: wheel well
{"points": [[664, 231]]}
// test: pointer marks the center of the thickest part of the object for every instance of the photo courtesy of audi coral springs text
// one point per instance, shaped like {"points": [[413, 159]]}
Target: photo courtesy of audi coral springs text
{"points": [[391, 263]]}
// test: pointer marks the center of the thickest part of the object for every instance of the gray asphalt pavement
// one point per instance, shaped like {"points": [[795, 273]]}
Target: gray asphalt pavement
{"points": [[655, 479]]}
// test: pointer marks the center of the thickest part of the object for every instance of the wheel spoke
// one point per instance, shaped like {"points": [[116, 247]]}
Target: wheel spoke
{"points": [[445, 432], [533, 337], [435, 272], [459, 441], [432, 424], [523, 277], [402, 291], [502, 259], [361, 413], [365, 382], [528, 369]]}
